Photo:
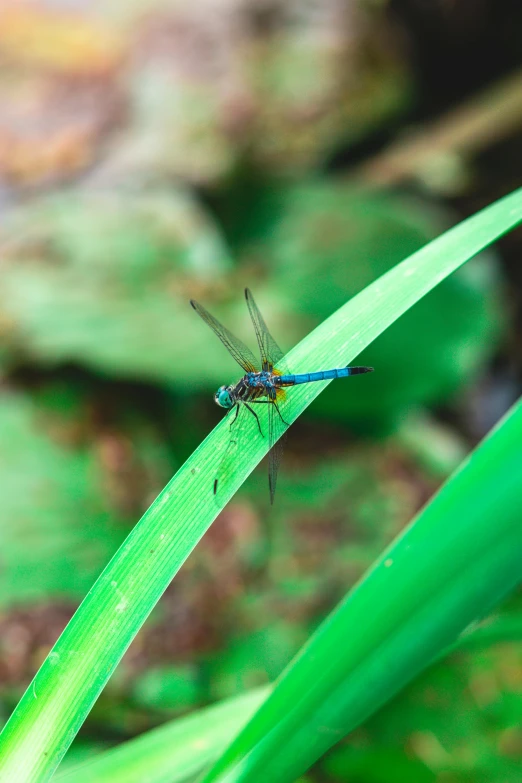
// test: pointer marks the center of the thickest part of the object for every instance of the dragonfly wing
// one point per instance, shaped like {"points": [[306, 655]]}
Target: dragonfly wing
{"points": [[236, 348], [233, 449], [271, 353], [276, 439]]}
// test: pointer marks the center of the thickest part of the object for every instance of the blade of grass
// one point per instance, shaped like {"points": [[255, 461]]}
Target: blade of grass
{"points": [[451, 565], [170, 752], [56, 703], [495, 630], [173, 753], [183, 747]]}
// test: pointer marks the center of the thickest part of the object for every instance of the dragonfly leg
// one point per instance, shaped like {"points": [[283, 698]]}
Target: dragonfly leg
{"points": [[257, 417], [235, 417], [279, 412], [270, 402]]}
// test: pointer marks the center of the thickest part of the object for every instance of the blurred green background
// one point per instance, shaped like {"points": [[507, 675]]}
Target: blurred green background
{"points": [[153, 152]]}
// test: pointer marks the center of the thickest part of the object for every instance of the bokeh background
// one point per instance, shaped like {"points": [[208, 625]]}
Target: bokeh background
{"points": [[153, 152]]}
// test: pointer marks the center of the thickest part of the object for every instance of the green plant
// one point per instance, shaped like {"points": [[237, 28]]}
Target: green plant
{"points": [[456, 560], [180, 749], [56, 703], [172, 753]]}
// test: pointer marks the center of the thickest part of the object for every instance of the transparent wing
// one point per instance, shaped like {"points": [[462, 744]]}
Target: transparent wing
{"points": [[276, 438], [236, 348], [271, 353], [232, 451]]}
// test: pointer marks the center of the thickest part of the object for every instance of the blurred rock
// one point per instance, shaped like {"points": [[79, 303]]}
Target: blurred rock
{"points": [[59, 92], [104, 277], [191, 90], [273, 84]]}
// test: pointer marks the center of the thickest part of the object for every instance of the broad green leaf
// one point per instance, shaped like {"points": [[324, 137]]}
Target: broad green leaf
{"points": [[451, 565], [69, 681], [162, 756], [172, 753]]}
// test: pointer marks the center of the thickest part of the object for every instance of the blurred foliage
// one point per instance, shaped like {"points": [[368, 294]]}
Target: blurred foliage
{"points": [[103, 278], [198, 141], [71, 487], [193, 89], [280, 85], [459, 722], [168, 687], [59, 92]]}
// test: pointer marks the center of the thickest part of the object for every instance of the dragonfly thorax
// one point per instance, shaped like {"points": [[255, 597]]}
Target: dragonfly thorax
{"points": [[255, 380], [224, 398]]}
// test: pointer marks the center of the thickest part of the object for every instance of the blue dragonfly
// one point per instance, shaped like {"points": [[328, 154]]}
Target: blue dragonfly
{"points": [[264, 382]]}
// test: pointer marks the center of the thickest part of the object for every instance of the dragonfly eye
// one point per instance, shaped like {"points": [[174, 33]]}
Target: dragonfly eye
{"points": [[223, 397]]}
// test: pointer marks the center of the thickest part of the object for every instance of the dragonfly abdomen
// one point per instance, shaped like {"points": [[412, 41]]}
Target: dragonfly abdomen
{"points": [[322, 375]]}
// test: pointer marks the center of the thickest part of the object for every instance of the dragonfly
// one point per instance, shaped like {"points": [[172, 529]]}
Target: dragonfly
{"points": [[263, 383]]}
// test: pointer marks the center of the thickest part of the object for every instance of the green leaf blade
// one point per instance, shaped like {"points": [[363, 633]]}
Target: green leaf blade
{"points": [[458, 559], [64, 690], [193, 741]]}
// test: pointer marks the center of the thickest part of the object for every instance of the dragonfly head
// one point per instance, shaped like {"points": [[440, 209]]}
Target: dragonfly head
{"points": [[223, 397]]}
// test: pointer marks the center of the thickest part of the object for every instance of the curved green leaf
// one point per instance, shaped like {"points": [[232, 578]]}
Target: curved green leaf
{"points": [[456, 560], [166, 753], [172, 753], [75, 671], [181, 748]]}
